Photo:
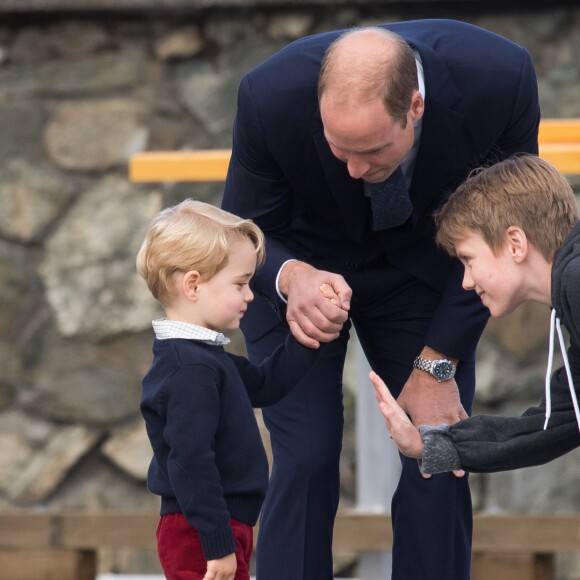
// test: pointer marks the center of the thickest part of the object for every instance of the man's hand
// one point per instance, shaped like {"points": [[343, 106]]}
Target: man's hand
{"points": [[429, 402], [222, 568], [312, 317]]}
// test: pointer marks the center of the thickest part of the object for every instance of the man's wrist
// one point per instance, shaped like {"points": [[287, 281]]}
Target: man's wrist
{"points": [[439, 366], [282, 292], [432, 354]]}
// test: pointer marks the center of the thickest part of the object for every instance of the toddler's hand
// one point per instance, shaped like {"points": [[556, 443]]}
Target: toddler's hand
{"points": [[222, 568], [327, 291]]}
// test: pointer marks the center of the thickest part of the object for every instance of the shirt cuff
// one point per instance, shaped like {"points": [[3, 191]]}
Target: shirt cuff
{"points": [[278, 278]]}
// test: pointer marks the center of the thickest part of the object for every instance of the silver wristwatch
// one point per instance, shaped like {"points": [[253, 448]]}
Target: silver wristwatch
{"points": [[442, 369]]}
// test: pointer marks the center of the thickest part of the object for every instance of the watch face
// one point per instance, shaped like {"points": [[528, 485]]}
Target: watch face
{"points": [[443, 370]]}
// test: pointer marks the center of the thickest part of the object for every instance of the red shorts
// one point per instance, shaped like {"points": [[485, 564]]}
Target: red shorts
{"points": [[180, 552]]}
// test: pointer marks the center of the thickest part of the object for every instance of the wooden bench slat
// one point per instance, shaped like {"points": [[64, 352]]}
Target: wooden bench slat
{"points": [[563, 156], [559, 131], [353, 531], [361, 532], [48, 564], [491, 533], [26, 530], [512, 566], [108, 530], [211, 165], [201, 165], [559, 141], [527, 533]]}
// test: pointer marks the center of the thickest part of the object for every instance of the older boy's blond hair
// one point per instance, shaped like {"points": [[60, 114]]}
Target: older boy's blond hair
{"points": [[523, 191], [191, 235]]}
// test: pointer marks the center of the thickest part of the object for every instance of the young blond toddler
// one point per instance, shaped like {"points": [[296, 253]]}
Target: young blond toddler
{"points": [[209, 466]]}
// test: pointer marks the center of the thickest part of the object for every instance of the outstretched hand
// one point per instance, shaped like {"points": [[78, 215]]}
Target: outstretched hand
{"points": [[400, 428]]}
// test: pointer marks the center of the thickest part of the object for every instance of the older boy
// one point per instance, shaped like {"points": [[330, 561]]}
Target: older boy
{"points": [[209, 465], [513, 225]]}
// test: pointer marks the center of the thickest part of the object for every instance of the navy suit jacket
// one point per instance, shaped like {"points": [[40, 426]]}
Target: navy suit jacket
{"points": [[481, 105]]}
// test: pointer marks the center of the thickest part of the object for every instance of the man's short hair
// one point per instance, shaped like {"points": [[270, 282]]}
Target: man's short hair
{"points": [[523, 191], [389, 74], [191, 235]]}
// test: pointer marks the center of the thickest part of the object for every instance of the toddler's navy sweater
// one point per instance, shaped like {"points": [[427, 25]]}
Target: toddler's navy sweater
{"points": [[208, 459]]}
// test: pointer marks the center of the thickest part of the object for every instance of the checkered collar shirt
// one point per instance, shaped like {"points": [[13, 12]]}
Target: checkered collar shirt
{"points": [[165, 329]]}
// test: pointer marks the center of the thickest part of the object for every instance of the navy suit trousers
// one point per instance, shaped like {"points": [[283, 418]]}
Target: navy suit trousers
{"points": [[432, 518]]}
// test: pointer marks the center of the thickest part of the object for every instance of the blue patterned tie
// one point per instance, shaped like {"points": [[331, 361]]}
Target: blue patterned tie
{"points": [[390, 201]]}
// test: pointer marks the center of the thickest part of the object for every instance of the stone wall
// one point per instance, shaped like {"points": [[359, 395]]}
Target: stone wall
{"points": [[79, 93]]}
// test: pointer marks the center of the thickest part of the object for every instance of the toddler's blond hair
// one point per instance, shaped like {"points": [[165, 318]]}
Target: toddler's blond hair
{"points": [[191, 235]]}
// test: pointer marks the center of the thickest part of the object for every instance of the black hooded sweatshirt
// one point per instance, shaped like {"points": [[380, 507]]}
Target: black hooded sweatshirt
{"points": [[487, 443]]}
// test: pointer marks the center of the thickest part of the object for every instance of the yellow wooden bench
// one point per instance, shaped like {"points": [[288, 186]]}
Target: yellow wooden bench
{"points": [[65, 546], [559, 141]]}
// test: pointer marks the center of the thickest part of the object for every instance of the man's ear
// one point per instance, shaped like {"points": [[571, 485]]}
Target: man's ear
{"points": [[517, 243], [190, 284], [417, 106]]}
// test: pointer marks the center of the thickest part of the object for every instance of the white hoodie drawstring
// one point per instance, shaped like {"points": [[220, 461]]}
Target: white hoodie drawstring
{"points": [[555, 322], [549, 369]]}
